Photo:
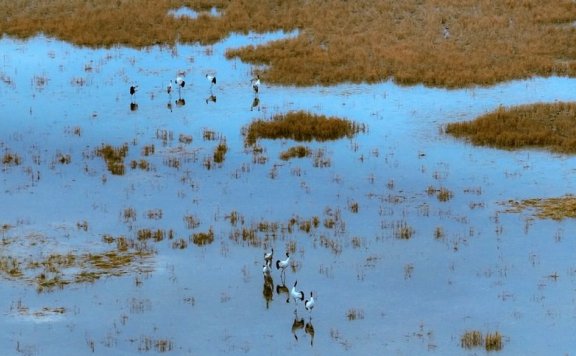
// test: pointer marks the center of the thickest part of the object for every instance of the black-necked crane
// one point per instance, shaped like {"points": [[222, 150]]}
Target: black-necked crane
{"points": [[211, 79], [282, 264], [256, 84]]}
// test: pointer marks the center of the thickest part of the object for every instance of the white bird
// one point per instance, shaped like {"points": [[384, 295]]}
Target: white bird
{"points": [[180, 84], [169, 88], [283, 263], [296, 294], [256, 84], [211, 79], [268, 257], [309, 303], [266, 269]]}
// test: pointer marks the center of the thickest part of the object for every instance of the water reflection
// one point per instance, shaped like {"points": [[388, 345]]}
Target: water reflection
{"points": [[297, 325], [282, 289], [268, 289], [255, 104], [211, 98], [309, 329]]}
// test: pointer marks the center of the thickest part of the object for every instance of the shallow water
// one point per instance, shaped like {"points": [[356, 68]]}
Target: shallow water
{"points": [[375, 293]]}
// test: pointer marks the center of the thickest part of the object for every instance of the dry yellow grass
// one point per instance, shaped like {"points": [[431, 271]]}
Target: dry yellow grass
{"points": [[549, 126], [436, 42], [549, 208], [301, 126]]}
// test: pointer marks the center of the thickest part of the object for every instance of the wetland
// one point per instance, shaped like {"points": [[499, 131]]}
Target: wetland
{"points": [[135, 224]]}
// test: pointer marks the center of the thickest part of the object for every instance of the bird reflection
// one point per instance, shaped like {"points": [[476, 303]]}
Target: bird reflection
{"points": [[169, 106], [255, 104], [268, 289], [133, 106], [282, 289], [309, 329], [211, 98], [180, 102], [297, 324]]}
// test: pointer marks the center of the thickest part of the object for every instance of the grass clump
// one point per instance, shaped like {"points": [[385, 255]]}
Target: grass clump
{"points": [[114, 157], [301, 126], [493, 342], [295, 152], [471, 339], [546, 208], [474, 338], [11, 159], [548, 126], [220, 152], [203, 238]]}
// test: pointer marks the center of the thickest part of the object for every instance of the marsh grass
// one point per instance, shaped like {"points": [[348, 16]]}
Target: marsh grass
{"points": [[301, 126], [438, 43], [355, 314], [203, 238], [546, 208], [11, 159], [51, 271], [114, 157], [220, 152], [295, 152], [493, 342], [403, 231], [547, 126], [471, 339], [474, 338]]}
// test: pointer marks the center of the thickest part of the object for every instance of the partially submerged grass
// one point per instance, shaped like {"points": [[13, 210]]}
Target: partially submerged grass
{"points": [[548, 126], [114, 157], [471, 339], [493, 342], [295, 152], [474, 338], [220, 152], [301, 126], [203, 238], [546, 208], [57, 271]]}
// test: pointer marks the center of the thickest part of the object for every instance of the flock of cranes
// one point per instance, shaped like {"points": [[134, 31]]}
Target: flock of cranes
{"points": [[298, 296], [180, 83]]}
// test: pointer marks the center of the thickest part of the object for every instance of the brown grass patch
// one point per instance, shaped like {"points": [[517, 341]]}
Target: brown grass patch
{"points": [[493, 342], [546, 208], [549, 126], [114, 157], [471, 339], [301, 126], [295, 152], [435, 42]]}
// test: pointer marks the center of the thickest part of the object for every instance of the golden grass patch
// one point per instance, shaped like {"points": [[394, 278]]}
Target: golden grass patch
{"points": [[435, 42], [114, 157], [301, 126], [548, 126], [546, 208]]}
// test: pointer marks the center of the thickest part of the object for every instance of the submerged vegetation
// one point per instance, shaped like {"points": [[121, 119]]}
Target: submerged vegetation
{"points": [[549, 126], [435, 42], [301, 126], [55, 270]]}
